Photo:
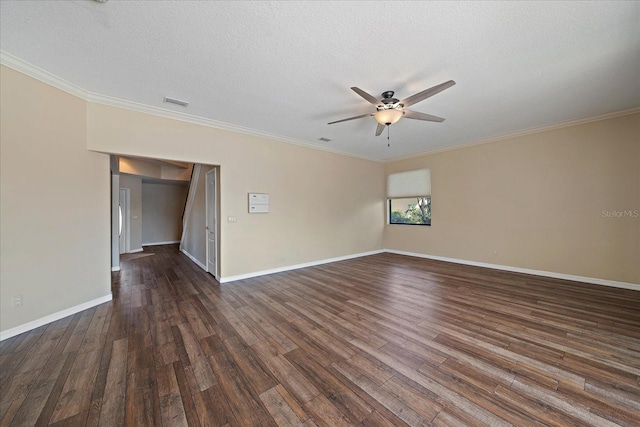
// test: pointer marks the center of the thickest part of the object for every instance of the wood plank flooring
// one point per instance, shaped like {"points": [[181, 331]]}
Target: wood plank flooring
{"points": [[384, 340]]}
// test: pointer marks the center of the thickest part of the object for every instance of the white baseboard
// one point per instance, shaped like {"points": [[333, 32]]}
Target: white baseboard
{"points": [[133, 251], [161, 243], [53, 317], [73, 310], [297, 266], [592, 280], [192, 258]]}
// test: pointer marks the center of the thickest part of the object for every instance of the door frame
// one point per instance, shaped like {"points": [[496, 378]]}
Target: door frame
{"points": [[126, 219], [211, 208]]}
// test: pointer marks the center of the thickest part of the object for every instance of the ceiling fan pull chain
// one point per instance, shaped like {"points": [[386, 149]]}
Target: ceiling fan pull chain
{"points": [[388, 144]]}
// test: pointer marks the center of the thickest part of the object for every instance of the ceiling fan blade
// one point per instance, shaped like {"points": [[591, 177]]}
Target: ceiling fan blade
{"points": [[421, 96], [422, 116], [366, 96], [379, 129], [351, 118]]}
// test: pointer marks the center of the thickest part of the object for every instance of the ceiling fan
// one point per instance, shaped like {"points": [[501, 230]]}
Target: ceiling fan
{"points": [[389, 109]]}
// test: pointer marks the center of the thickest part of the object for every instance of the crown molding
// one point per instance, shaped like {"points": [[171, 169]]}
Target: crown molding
{"points": [[46, 77], [52, 80], [525, 132], [202, 121], [42, 75]]}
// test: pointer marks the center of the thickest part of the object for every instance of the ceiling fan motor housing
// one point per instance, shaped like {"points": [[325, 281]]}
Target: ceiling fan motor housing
{"points": [[387, 98]]}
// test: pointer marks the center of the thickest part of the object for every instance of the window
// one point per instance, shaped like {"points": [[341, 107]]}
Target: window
{"points": [[415, 211], [409, 197]]}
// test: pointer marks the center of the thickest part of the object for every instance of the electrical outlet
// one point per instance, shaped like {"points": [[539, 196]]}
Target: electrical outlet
{"points": [[17, 300], [495, 252]]}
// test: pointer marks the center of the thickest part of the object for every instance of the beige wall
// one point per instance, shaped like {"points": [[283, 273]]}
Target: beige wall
{"points": [[54, 203], [134, 184], [162, 207], [537, 200], [176, 174], [154, 169], [323, 205], [139, 167], [56, 219]]}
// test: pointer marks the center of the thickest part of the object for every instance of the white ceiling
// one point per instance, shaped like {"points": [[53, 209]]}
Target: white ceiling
{"points": [[285, 68]]}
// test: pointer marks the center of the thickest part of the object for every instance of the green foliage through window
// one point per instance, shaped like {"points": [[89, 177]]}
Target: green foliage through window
{"points": [[414, 211]]}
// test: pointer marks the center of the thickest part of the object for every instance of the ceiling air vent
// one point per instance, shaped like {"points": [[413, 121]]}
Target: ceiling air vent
{"points": [[175, 101]]}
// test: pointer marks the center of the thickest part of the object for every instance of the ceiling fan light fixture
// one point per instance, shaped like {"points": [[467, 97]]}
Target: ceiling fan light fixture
{"points": [[388, 117]]}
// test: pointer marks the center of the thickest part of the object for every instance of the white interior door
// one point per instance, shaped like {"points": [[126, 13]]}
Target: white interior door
{"points": [[123, 223], [211, 205]]}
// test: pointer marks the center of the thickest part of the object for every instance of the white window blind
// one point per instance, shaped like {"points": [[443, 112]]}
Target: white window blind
{"points": [[409, 184]]}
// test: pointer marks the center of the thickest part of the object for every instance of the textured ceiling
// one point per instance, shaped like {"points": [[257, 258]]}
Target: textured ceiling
{"points": [[285, 68]]}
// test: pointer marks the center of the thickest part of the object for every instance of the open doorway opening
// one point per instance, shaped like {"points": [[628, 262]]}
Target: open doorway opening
{"points": [[166, 202]]}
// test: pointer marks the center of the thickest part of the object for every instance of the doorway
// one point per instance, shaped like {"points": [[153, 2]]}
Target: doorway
{"points": [[211, 222], [201, 231]]}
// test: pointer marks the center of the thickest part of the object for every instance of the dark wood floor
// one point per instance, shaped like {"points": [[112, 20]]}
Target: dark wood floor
{"points": [[384, 340]]}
